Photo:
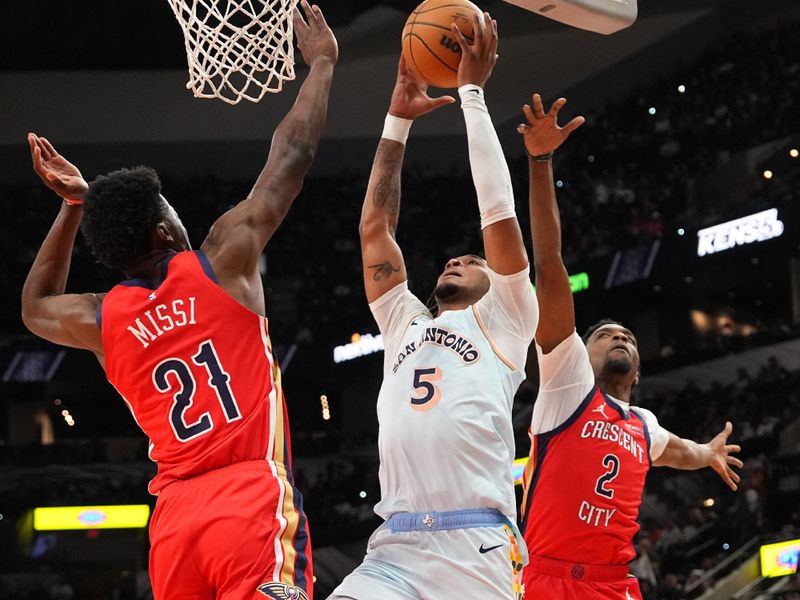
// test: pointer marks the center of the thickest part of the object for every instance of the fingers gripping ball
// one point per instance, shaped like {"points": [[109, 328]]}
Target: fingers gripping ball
{"points": [[429, 46]]}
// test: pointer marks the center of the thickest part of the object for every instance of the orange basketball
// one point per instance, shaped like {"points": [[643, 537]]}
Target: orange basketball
{"points": [[429, 47]]}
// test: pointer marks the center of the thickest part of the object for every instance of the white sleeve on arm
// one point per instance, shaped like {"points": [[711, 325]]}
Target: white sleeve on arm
{"points": [[489, 169], [659, 437], [508, 314], [393, 312], [565, 378]]}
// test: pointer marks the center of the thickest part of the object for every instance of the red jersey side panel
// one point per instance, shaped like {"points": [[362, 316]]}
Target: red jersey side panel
{"points": [[196, 370], [584, 483]]}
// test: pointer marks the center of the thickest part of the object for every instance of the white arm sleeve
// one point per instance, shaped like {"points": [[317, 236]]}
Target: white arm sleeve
{"points": [[659, 437], [565, 378], [489, 169], [508, 314], [393, 312]]}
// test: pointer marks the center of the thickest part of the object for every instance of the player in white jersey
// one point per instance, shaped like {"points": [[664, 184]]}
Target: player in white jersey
{"points": [[446, 442]]}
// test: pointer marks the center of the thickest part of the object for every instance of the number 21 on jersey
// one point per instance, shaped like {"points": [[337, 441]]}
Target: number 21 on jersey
{"points": [[427, 393], [184, 385]]}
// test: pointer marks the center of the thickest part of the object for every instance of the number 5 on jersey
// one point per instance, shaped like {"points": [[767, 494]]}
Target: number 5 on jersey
{"points": [[427, 392]]}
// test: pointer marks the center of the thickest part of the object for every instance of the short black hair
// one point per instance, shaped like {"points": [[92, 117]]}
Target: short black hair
{"points": [[598, 325], [120, 211]]}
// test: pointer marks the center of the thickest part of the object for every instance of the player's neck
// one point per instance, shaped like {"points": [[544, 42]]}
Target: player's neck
{"points": [[148, 267], [616, 387], [452, 306]]}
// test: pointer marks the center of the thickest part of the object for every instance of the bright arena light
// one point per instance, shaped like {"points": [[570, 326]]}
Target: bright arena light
{"points": [[794, 152], [681, 88], [767, 174], [652, 110], [326, 411], [681, 231]]}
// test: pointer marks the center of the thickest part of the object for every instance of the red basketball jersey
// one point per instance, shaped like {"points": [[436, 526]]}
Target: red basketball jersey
{"points": [[584, 483], [197, 371]]}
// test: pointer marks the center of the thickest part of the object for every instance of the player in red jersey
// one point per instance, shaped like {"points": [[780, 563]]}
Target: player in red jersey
{"points": [[184, 340], [591, 449]]}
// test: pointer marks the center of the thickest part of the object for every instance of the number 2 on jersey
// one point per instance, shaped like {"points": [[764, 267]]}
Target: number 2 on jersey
{"points": [[610, 462], [184, 397], [428, 393]]}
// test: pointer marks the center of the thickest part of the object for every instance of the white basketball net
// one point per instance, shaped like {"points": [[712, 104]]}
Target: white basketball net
{"points": [[237, 49]]}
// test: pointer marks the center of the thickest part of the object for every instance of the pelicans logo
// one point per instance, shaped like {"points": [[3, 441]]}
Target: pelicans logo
{"points": [[281, 591]]}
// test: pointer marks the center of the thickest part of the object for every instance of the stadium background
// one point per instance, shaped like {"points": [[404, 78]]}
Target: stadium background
{"points": [[686, 112]]}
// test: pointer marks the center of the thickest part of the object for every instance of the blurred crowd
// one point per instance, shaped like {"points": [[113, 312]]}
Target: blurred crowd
{"points": [[674, 551], [626, 177]]}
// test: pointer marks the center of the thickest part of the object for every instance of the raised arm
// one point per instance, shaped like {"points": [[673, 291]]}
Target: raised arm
{"points": [[686, 454], [502, 238], [381, 256], [66, 319], [542, 136], [238, 237]]}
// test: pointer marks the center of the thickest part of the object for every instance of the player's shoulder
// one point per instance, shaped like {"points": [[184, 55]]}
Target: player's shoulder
{"points": [[646, 415], [570, 349]]}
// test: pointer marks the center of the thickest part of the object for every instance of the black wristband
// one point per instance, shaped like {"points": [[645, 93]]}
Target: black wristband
{"points": [[543, 158]]}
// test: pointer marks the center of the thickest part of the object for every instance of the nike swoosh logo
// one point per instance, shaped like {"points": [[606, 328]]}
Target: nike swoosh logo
{"points": [[483, 550]]}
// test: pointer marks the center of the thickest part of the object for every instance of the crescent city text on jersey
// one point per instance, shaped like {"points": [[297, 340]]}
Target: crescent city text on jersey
{"points": [[441, 337], [161, 319], [603, 430]]}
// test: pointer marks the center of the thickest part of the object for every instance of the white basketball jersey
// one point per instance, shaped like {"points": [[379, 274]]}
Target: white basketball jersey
{"points": [[446, 440]]}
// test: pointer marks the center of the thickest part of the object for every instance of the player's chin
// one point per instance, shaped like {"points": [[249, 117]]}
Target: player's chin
{"points": [[447, 287], [618, 366]]}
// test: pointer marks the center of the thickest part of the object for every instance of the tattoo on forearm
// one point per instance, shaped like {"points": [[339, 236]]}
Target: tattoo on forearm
{"points": [[383, 271], [386, 194]]}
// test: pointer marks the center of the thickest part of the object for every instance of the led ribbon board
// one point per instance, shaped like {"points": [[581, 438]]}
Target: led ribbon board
{"points": [[62, 518], [577, 282], [779, 559], [360, 345], [758, 227]]}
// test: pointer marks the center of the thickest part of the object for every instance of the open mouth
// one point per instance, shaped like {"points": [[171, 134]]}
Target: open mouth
{"points": [[451, 274], [620, 347]]}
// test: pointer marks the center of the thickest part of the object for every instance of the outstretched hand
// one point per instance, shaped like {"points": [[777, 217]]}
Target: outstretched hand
{"points": [[721, 460], [55, 171], [313, 35], [410, 97], [477, 59], [542, 133]]}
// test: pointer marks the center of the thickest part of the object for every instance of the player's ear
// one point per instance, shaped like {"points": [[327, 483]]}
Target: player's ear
{"points": [[162, 232]]}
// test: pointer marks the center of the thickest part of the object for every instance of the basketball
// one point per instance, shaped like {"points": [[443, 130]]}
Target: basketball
{"points": [[429, 47]]}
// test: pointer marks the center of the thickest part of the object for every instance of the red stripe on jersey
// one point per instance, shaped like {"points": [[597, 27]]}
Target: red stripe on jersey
{"points": [[583, 494], [192, 364]]}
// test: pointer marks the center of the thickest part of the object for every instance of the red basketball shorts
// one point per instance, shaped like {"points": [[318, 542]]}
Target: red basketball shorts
{"points": [[236, 533]]}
